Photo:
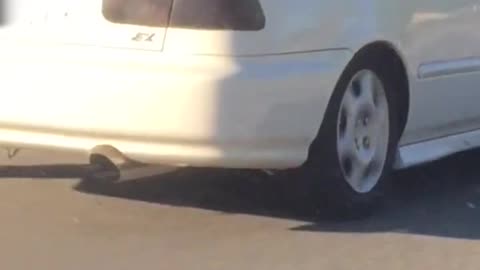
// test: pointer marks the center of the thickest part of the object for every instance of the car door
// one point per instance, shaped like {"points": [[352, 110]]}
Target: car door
{"points": [[442, 49]]}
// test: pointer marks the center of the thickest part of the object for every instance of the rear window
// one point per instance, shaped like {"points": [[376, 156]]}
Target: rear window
{"points": [[154, 13], [218, 14], [245, 15]]}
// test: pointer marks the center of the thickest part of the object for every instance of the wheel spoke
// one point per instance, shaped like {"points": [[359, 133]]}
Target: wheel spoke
{"points": [[346, 128], [379, 128], [368, 93], [350, 103], [373, 171], [346, 146], [357, 174]]}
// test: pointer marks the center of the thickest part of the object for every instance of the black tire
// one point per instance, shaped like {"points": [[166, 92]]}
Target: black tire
{"points": [[330, 192]]}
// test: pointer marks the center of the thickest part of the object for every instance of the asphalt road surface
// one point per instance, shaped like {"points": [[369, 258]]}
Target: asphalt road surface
{"points": [[210, 219]]}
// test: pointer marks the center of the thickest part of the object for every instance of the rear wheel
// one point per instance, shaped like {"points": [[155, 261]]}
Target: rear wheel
{"points": [[352, 157]]}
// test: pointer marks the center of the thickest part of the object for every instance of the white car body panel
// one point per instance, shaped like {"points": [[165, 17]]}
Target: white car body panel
{"points": [[419, 153], [72, 22], [249, 99], [200, 111]]}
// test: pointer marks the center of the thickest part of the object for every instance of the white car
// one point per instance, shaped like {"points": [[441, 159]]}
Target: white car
{"points": [[346, 90]]}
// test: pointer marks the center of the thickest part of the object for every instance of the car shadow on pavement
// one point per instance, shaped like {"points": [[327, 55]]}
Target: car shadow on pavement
{"points": [[440, 199]]}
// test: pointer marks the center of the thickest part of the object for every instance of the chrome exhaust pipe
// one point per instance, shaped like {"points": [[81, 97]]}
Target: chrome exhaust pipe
{"points": [[109, 164]]}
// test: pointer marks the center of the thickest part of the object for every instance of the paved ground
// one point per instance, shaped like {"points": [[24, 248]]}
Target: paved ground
{"points": [[221, 220]]}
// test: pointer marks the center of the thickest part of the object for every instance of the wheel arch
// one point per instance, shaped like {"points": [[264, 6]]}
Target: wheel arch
{"points": [[392, 59], [387, 54]]}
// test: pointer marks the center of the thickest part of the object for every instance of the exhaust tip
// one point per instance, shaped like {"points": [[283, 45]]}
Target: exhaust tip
{"points": [[102, 169], [109, 164]]}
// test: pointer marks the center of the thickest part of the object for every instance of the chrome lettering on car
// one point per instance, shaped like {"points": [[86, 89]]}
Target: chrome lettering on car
{"points": [[144, 37]]}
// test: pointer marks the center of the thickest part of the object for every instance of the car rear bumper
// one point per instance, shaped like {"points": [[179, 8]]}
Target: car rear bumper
{"points": [[244, 112]]}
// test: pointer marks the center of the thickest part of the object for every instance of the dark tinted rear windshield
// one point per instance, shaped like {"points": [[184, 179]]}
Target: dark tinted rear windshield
{"points": [[192, 14]]}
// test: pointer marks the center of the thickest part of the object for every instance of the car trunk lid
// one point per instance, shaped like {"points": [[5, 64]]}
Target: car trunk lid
{"points": [[135, 24]]}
